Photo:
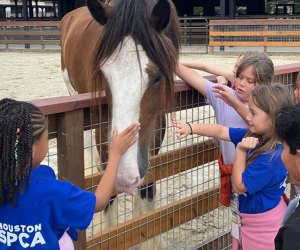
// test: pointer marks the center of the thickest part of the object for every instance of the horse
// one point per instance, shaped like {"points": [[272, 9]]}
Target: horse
{"points": [[130, 50]]}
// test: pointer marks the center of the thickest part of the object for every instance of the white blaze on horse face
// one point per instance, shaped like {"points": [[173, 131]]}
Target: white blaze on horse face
{"points": [[128, 81]]}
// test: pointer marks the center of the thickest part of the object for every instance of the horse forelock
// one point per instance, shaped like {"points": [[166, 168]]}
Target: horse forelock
{"points": [[131, 18]]}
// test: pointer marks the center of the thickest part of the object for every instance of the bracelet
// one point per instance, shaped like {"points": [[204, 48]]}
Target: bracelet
{"points": [[190, 128]]}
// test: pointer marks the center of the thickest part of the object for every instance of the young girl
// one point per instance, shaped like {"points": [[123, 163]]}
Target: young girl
{"points": [[259, 175], [250, 73], [35, 208], [223, 75]]}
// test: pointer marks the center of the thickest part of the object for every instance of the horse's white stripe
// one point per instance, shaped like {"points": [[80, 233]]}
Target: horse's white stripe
{"points": [[126, 102]]}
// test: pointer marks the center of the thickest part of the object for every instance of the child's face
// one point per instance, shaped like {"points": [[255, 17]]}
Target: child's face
{"points": [[245, 84], [259, 121], [292, 164], [40, 149], [297, 91]]}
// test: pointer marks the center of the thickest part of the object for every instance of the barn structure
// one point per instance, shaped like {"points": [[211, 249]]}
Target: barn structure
{"points": [[212, 9], [37, 9]]}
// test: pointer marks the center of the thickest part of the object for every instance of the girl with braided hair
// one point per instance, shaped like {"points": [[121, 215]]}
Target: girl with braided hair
{"points": [[36, 209]]}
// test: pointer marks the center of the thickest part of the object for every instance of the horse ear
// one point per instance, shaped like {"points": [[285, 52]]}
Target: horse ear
{"points": [[100, 12], [160, 15]]}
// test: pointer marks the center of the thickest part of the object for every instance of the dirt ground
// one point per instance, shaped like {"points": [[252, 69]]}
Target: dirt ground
{"points": [[34, 75]]}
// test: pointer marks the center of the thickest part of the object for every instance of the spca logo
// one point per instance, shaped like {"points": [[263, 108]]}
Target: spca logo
{"points": [[26, 236]]}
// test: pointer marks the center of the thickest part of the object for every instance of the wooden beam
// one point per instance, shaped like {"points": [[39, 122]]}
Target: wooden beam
{"points": [[222, 242], [30, 23], [249, 44], [37, 32], [161, 220], [254, 33], [46, 42], [54, 105], [253, 22], [171, 163]]}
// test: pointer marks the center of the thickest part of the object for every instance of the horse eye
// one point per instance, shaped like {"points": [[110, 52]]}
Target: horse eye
{"points": [[156, 80]]}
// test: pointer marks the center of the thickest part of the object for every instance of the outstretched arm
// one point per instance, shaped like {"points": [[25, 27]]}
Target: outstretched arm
{"points": [[228, 74], [241, 109], [192, 78], [217, 131], [119, 144]]}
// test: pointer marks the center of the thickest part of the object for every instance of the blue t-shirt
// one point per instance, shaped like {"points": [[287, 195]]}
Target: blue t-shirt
{"points": [[43, 212], [264, 178]]}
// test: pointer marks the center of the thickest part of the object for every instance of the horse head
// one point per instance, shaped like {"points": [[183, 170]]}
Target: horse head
{"points": [[136, 58]]}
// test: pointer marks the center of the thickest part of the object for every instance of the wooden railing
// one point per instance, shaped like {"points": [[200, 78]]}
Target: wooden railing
{"points": [[256, 32], [194, 31], [29, 33], [69, 117]]}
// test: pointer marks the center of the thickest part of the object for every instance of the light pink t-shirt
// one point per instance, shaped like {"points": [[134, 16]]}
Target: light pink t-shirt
{"points": [[227, 116]]}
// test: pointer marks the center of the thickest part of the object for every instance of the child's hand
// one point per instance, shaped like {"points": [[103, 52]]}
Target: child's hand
{"points": [[248, 143], [224, 93], [182, 129], [121, 142], [222, 80]]}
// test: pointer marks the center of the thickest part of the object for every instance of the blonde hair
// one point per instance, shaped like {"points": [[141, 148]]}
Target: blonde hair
{"points": [[269, 98]]}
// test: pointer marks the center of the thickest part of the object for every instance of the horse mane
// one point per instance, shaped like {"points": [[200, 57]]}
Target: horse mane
{"points": [[131, 17]]}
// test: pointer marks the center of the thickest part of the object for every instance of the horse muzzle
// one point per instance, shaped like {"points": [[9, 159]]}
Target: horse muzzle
{"points": [[128, 183]]}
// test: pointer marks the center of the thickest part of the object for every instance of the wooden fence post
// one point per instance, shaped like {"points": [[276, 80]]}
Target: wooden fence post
{"points": [[5, 37], [266, 28], [70, 154], [211, 38]]}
